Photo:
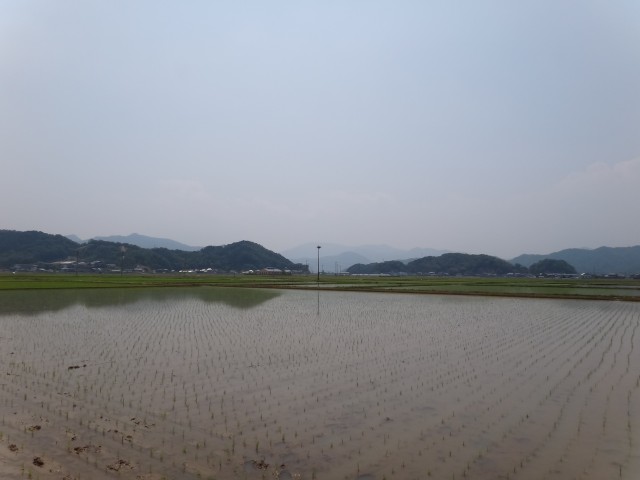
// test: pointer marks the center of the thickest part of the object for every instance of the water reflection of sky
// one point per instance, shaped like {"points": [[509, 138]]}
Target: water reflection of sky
{"points": [[40, 301]]}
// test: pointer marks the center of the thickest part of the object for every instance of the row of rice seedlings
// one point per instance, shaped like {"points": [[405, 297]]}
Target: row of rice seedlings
{"points": [[575, 380], [279, 382], [393, 372]]}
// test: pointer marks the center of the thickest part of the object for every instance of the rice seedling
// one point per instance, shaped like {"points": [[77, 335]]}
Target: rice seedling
{"points": [[430, 384]]}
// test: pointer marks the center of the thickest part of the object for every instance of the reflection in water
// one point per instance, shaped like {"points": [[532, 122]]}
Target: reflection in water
{"points": [[38, 301], [377, 386]]}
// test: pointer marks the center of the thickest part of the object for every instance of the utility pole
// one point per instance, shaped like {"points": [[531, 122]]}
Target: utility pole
{"points": [[122, 249], [319, 247]]}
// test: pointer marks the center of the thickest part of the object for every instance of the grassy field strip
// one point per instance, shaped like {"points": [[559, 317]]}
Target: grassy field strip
{"points": [[525, 287]]}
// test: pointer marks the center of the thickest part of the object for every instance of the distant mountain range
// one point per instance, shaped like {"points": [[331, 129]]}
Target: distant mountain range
{"points": [[335, 257], [162, 253], [33, 249], [599, 261], [603, 260], [445, 264], [141, 241]]}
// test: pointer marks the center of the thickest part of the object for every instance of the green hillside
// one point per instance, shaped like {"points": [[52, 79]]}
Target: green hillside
{"points": [[603, 260], [33, 247], [42, 249], [448, 263]]}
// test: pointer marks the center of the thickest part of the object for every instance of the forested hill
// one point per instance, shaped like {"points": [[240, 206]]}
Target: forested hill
{"points": [[603, 260], [33, 247], [40, 248], [448, 263]]}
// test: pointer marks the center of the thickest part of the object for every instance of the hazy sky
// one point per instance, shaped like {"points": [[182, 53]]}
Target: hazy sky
{"points": [[498, 127]]}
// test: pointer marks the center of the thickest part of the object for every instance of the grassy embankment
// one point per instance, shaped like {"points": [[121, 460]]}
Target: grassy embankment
{"points": [[626, 289]]}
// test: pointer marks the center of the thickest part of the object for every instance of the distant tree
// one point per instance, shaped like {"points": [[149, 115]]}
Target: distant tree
{"points": [[361, 268], [461, 264], [550, 265], [388, 267], [517, 268]]}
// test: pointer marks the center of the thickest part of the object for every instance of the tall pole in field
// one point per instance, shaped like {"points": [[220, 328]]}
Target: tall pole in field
{"points": [[122, 250], [319, 265]]}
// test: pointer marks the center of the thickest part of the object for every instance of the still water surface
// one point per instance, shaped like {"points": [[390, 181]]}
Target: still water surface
{"points": [[237, 383]]}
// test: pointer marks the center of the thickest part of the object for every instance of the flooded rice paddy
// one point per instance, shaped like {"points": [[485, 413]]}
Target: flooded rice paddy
{"points": [[235, 383]]}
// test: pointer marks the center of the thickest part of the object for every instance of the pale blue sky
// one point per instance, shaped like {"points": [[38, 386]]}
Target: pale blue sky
{"points": [[494, 127]]}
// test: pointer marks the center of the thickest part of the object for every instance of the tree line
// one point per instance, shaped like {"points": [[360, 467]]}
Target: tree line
{"points": [[462, 264]]}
